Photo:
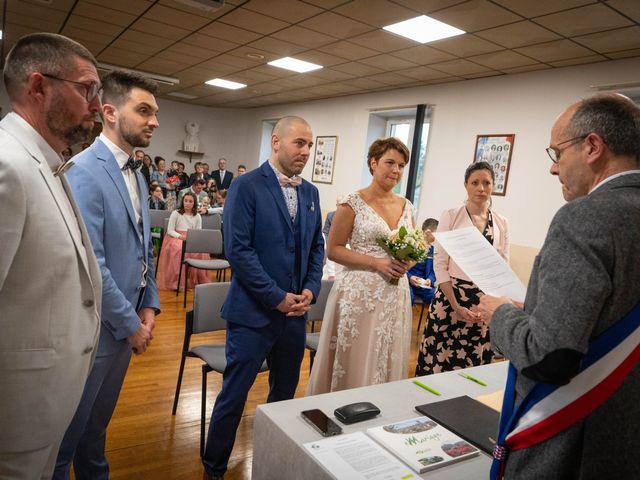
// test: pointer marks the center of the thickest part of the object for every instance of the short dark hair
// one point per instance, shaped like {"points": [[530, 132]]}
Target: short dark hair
{"points": [[182, 165], [157, 159], [117, 84], [614, 117], [241, 166], [382, 146], [199, 181], [41, 52], [195, 203], [430, 224], [474, 167]]}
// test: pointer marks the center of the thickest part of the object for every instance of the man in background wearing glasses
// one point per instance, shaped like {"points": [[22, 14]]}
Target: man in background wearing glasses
{"points": [[574, 346], [50, 284]]}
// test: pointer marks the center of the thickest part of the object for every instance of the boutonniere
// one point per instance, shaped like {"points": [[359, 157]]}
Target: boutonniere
{"points": [[313, 207]]}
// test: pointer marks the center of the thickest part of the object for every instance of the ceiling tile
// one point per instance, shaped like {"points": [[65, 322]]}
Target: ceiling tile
{"points": [[136, 47], [133, 7], [630, 8], [176, 56], [246, 52], [391, 78], [465, 45], [34, 24], [175, 17], [123, 58], [625, 53], [529, 9], [502, 60], [423, 55], [104, 14], [449, 79], [229, 33], [158, 65], [527, 68], [383, 41], [251, 76], [476, 15], [357, 69], [578, 61], [94, 25], [211, 15], [320, 58], [426, 6], [301, 81], [491, 73], [612, 40], [209, 43], [234, 62], [16, 10], [423, 73], [274, 71], [291, 11], [279, 47], [331, 75], [518, 34], [387, 62], [555, 51], [584, 20], [337, 25], [348, 50], [303, 36], [183, 48], [80, 35], [147, 39], [363, 83], [459, 67], [155, 28], [328, 4], [253, 21], [375, 12]]}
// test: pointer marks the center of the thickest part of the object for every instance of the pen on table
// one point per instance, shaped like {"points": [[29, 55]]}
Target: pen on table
{"points": [[427, 388], [469, 377]]}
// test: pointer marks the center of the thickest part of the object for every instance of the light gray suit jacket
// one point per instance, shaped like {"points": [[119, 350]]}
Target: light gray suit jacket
{"points": [[50, 295], [585, 279]]}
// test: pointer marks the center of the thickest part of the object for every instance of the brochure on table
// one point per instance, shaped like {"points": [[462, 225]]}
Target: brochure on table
{"points": [[355, 456]]}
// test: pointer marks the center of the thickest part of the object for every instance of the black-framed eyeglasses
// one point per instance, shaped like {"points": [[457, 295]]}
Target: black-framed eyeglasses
{"points": [[554, 154], [92, 90]]}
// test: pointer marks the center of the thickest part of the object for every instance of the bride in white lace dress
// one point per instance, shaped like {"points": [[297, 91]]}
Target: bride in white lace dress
{"points": [[366, 331]]}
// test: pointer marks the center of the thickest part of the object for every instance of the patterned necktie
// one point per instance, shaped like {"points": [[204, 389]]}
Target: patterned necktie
{"points": [[132, 164], [285, 181]]}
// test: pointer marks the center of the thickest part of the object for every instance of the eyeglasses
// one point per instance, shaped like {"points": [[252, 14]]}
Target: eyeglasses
{"points": [[554, 154], [92, 90]]}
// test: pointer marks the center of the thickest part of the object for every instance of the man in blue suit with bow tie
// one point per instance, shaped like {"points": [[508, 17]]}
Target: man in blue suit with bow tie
{"points": [[273, 241], [112, 195]]}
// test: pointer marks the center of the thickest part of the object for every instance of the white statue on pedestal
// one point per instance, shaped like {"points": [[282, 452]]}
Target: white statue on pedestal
{"points": [[191, 141]]}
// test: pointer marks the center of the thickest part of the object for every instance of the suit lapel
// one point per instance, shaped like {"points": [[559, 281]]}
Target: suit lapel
{"points": [[112, 169], [144, 213], [274, 188]]}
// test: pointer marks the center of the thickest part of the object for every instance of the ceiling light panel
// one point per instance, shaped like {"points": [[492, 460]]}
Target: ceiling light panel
{"points": [[423, 29], [218, 82], [300, 66]]}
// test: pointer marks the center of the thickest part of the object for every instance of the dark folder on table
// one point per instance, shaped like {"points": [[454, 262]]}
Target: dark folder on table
{"points": [[467, 418]]}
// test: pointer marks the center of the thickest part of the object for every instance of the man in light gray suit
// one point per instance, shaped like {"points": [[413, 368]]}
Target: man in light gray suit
{"points": [[583, 288], [111, 193], [50, 284]]}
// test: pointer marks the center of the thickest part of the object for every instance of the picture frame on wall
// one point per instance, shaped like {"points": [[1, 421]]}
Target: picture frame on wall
{"points": [[496, 150], [324, 159]]}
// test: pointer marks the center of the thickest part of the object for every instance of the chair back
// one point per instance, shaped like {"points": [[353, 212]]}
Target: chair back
{"points": [[212, 222], [165, 225], [203, 241], [157, 218], [317, 309], [207, 303]]}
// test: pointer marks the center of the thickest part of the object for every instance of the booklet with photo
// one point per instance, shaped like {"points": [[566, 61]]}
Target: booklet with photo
{"points": [[422, 443]]}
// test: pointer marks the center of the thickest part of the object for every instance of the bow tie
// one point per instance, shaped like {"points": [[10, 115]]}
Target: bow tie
{"points": [[132, 164], [285, 181]]}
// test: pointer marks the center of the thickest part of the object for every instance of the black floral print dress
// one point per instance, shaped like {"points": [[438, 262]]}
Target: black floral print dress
{"points": [[448, 344]]}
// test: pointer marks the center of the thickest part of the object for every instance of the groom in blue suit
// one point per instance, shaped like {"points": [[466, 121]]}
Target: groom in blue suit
{"points": [[273, 241], [111, 195]]}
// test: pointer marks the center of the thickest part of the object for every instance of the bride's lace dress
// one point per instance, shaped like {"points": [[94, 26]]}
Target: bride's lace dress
{"points": [[366, 331]]}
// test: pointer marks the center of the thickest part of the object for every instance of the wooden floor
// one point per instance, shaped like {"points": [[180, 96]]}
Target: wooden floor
{"points": [[144, 441]]}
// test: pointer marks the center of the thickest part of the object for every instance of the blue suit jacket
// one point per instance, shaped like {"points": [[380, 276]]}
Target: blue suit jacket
{"points": [[423, 270], [105, 205], [260, 246]]}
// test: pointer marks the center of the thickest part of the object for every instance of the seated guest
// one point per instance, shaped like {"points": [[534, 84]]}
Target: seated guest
{"points": [[184, 178], [160, 174], [241, 170], [156, 200], [146, 168], [422, 277], [197, 188], [221, 195], [199, 174], [181, 220], [211, 187]]}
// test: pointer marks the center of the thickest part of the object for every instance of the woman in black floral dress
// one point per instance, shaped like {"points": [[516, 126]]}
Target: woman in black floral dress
{"points": [[453, 336]]}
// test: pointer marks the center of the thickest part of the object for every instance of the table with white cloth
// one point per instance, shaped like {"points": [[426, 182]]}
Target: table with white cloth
{"points": [[280, 431]]}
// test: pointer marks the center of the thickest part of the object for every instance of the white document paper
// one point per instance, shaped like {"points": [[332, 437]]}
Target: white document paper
{"points": [[355, 456], [482, 263]]}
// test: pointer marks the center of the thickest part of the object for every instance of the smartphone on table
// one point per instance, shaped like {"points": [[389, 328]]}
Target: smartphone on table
{"points": [[323, 424]]}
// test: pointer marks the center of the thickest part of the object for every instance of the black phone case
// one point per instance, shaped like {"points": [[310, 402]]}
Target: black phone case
{"points": [[356, 412]]}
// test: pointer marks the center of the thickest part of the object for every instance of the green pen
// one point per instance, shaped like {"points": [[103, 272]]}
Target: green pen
{"points": [[469, 377], [427, 388]]}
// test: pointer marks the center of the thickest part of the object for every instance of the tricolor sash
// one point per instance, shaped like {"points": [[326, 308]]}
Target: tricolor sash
{"points": [[550, 409]]}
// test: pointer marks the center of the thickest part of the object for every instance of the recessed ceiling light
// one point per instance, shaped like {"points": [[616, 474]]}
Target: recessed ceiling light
{"points": [[423, 29], [255, 56], [218, 82], [294, 64], [0, 34]]}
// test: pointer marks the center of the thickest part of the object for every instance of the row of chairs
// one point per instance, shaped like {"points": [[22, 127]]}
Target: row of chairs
{"points": [[205, 317]]}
